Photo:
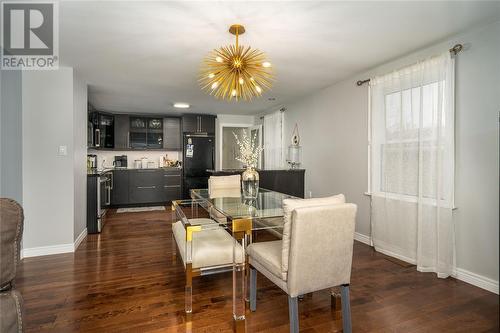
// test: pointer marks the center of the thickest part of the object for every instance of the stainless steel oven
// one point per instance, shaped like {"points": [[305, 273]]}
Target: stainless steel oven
{"points": [[105, 185]]}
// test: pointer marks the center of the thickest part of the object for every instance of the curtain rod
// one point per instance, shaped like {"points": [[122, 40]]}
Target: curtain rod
{"points": [[283, 109], [454, 51]]}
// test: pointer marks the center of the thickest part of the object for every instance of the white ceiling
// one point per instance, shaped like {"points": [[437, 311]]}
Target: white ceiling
{"points": [[143, 56]]}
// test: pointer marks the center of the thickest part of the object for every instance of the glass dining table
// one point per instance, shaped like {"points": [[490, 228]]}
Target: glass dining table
{"points": [[241, 217]]}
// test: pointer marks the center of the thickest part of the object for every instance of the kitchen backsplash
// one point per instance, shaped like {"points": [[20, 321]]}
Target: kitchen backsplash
{"points": [[153, 156]]}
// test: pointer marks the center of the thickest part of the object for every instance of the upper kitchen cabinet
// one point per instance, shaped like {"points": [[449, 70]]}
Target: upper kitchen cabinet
{"points": [[122, 131], [138, 132], [198, 124], [172, 133], [146, 132], [190, 124], [155, 133], [101, 130], [207, 124], [129, 132]]}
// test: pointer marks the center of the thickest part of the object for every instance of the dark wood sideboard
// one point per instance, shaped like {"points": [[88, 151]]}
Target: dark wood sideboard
{"points": [[285, 181]]}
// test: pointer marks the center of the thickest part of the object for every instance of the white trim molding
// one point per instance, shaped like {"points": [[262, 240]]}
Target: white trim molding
{"points": [[363, 238], [47, 250], [459, 273], [54, 249], [476, 280], [79, 239]]}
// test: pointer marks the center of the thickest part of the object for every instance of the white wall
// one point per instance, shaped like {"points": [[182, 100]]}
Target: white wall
{"points": [[80, 154], [11, 135], [48, 182], [54, 113], [231, 121], [333, 128]]}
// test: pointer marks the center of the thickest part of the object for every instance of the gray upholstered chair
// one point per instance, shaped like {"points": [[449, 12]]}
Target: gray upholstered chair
{"points": [[220, 187], [205, 246], [11, 231], [216, 183], [315, 253]]}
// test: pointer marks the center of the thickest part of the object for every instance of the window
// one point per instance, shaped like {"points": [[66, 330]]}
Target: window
{"points": [[412, 133], [273, 140], [410, 116]]}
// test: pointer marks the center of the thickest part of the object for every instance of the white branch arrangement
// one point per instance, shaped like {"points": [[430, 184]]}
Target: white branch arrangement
{"points": [[249, 150]]}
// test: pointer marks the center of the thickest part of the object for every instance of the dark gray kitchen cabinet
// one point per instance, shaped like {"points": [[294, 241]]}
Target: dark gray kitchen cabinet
{"points": [[172, 185], [172, 133], [198, 124], [138, 133], [207, 124], [145, 194], [120, 187], [122, 127], [145, 177], [190, 124], [145, 186]]}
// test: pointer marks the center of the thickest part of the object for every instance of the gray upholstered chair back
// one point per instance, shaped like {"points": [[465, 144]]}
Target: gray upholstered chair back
{"points": [[224, 186], [289, 205], [11, 230], [321, 245]]}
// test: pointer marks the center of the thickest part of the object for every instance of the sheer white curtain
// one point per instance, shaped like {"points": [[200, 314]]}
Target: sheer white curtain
{"points": [[412, 164], [273, 140]]}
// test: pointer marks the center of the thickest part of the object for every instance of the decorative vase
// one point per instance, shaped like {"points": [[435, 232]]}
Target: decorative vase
{"points": [[250, 183]]}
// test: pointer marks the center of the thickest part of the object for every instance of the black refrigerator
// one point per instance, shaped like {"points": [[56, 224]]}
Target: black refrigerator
{"points": [[198, 157]]}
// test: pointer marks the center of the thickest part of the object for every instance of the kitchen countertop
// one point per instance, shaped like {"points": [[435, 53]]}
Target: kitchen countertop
{"points": [[99, 172], [258, 170]]}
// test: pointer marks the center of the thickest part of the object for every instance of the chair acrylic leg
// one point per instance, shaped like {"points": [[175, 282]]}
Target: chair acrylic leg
{"points": [[346, 309], [189, 289], [174, 249], [293, 313], [253, 289]]}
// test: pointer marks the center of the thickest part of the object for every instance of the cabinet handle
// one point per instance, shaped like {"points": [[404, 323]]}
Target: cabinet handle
{"points": [[128, 139], [171, 175], [98, 137], [171, 186], [108, 195], [144, 187]]}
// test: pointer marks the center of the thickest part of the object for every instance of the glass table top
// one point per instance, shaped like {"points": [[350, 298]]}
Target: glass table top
{"points": [[230, 203]]}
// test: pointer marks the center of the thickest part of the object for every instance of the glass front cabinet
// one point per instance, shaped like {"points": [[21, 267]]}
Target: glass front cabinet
{"points": [[146, 133]]}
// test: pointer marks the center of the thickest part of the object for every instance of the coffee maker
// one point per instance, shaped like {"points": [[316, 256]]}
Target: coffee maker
{"points": [[120, 161], [91, 162]]}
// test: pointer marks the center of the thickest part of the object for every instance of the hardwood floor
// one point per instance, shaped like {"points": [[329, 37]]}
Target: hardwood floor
{"points": [[124, 280]]}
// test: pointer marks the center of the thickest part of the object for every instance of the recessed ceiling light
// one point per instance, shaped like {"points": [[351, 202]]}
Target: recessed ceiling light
{"points": [[182, 105]]}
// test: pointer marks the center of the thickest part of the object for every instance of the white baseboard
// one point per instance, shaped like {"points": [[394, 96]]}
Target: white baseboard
{"points": [[363, 238], [460, 274], [54, 249], [476, 280], [79, 239], [47, 250]]}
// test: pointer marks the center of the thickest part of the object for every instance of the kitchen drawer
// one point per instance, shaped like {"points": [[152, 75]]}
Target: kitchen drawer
{"points": [[146, 194], [172, 171], [171, 192], [172, 179], [146, 177]]}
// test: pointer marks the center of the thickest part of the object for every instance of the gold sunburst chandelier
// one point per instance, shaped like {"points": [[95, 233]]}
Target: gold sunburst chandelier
{"points": [[236, 72]]}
